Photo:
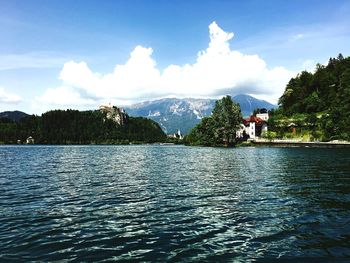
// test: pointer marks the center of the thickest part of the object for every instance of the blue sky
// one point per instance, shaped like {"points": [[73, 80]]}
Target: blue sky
{"points": [[64, 54]]}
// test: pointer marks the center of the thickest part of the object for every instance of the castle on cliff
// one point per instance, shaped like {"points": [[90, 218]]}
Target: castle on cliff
{"points": [[117, 115]]}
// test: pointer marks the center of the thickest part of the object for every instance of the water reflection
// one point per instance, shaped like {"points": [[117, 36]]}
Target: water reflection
{"points": [[173, 203]]}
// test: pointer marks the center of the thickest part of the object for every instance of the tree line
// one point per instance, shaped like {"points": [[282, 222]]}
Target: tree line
{"points": [[318, 101], [79, 127]]}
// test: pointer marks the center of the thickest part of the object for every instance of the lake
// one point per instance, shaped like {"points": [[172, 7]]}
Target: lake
{"points": [[174, 203]]}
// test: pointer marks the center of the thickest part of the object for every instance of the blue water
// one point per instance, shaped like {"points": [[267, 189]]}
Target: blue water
{"points": [[174, 203]]}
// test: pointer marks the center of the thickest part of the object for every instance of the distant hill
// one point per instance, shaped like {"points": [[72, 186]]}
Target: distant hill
{"points": [[13, 115], [173, 114], [82, 127]]}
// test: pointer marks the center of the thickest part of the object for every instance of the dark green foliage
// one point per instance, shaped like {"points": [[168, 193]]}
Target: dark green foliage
{"points": [[79, 127], [219, 128], [325, 93], [293, 99], [8, 130], [203, 134]]}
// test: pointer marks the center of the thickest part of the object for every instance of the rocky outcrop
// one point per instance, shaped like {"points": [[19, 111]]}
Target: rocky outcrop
{"points": [[118, 115]]}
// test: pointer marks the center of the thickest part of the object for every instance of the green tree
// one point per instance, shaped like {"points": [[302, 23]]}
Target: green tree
{"points": [[270, 135], [220, 128]]}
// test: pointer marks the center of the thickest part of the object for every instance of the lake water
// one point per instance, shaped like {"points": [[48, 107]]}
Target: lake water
{"points": [[174, 203]]}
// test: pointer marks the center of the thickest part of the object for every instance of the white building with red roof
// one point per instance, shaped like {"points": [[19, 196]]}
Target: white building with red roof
{"points": [[254, 126]]}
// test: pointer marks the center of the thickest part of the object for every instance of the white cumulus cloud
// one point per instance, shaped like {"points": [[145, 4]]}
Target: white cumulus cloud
{"points": [[218, 70], [8, 97], [63, 96]]}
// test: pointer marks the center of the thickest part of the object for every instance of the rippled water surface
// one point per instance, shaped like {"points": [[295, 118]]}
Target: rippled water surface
{"points": [[174, 203]]}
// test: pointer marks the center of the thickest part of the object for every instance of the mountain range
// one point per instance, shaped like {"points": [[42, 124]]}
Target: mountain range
{"points": [[175, 114]]}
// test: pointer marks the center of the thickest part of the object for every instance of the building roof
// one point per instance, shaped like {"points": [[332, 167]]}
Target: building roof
{"points": [[255, 119]]}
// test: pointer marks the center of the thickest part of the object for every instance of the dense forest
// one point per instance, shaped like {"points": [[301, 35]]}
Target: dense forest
{"points": [[316, 105], [219, 129], [79, 127]]}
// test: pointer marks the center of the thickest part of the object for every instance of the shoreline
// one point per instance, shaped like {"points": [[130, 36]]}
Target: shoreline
{"points": [[294, 143], [256, 142]]}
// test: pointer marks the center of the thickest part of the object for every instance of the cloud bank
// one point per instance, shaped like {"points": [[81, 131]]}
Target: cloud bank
{"points": [[217, 71], [8, 98]]}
